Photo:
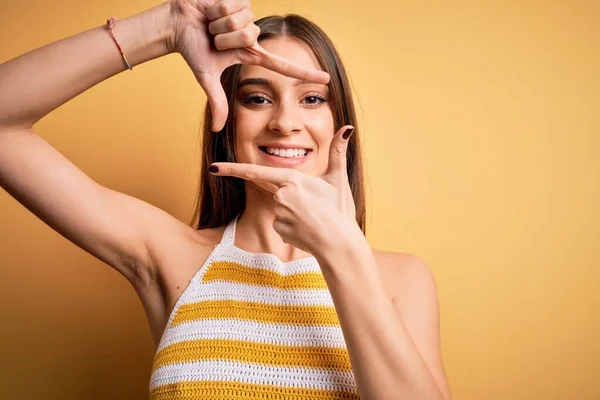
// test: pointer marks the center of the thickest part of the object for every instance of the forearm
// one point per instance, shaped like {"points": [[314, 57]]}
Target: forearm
{"points": [[385, 361], [35, 83]]}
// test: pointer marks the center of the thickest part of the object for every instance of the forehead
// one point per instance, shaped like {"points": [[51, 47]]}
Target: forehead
{"points": [[291, 49]]}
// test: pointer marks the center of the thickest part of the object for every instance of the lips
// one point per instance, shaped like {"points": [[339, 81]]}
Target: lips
{"points": [[285, 161], [292, 152]]}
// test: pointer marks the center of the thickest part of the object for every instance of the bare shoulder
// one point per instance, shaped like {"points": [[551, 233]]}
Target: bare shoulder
{"points": [[411, 285], [405, 275], [178, 256]]}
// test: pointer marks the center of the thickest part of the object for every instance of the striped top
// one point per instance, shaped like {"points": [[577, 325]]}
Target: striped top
{"points": [[250, 326]]}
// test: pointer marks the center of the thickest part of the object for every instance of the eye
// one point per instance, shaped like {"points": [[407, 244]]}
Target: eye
{"points": [[255, 100], [314, 100]]}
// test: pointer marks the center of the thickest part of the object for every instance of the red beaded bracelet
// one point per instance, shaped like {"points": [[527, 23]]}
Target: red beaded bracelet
{"points": [[110, 24]]}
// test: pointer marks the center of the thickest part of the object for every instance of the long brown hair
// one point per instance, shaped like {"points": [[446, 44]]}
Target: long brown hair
{"points": [[222, 198]]}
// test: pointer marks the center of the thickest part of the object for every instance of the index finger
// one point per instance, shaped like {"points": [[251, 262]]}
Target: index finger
{"points": [[287, 68], [252, 172]]}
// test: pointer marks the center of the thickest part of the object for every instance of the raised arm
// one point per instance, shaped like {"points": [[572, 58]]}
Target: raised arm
{"points": [[114, 227], [110, 225]]}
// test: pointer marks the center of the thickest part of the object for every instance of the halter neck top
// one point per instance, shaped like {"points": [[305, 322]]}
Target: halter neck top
{"points": [[250, 326]]}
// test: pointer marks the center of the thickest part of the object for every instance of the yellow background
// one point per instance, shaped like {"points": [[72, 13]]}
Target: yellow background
{"points": [[481, 130]]}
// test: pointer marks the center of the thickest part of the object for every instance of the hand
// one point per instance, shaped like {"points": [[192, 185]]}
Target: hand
{"points": [[235, 42], [311, 213]]}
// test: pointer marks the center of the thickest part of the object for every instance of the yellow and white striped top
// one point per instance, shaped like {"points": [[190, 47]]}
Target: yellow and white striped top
{"points": [[250, 326]]}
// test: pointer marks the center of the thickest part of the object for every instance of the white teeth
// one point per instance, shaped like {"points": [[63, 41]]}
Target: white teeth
{"points": [[287, 153]]}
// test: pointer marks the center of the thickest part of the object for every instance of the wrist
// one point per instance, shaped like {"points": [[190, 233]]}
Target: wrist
{"points": [[348, 263], [145, 36], [345, 238]]}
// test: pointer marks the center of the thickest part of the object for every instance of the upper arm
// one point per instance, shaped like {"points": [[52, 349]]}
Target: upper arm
{"points": [[416, 301], [112, 226]]}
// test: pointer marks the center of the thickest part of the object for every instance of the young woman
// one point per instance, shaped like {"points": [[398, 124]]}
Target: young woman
{"points": [[277, 293]]}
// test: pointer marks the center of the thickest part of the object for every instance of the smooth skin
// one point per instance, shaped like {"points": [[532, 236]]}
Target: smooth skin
{"points": [[159, 254]]}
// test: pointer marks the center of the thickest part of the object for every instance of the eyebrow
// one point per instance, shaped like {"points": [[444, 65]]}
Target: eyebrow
{"points": [[266, 82]]}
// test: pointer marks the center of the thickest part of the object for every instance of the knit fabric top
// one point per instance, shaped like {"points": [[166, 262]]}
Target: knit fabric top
{"points": [[250, 326]]}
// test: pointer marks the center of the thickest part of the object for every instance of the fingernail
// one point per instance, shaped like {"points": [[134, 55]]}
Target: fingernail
{"points": [[347, 134], [213, 169]]}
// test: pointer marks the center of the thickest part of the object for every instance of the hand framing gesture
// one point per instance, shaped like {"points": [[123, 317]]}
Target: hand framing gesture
{"points": [[235, 42], [310, 211]]}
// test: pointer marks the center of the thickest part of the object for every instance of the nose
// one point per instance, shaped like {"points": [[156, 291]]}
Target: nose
{"points": [[286, 118]]}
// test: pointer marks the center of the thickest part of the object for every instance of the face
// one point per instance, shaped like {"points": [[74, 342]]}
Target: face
{"points": [[280, 121]]}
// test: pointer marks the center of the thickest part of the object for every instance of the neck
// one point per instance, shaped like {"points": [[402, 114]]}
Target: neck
{"points": [[254, 229]]}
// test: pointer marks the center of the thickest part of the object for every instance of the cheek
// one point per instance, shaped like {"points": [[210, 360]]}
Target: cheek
{"points": [[250, 120], [248, 126], [243, 123], [322, 125], [322, 130]]}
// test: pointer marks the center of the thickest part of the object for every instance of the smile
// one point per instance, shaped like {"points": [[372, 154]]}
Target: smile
{"points": [[285, 153], [285, 157]]}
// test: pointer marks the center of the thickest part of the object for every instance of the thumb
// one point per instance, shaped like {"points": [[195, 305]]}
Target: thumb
{"points": [[217, 99], [338, 149]]}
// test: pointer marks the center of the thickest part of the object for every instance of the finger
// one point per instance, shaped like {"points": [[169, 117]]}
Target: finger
{"points": [[223, 8], [287, 68], [283, 228], [241, 38], [233, 22], [217, 99], [255, 173], [337, 152], [269, 187]]}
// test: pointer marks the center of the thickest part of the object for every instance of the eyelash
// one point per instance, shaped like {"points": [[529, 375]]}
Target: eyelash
{"points": [[248, 99]]}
